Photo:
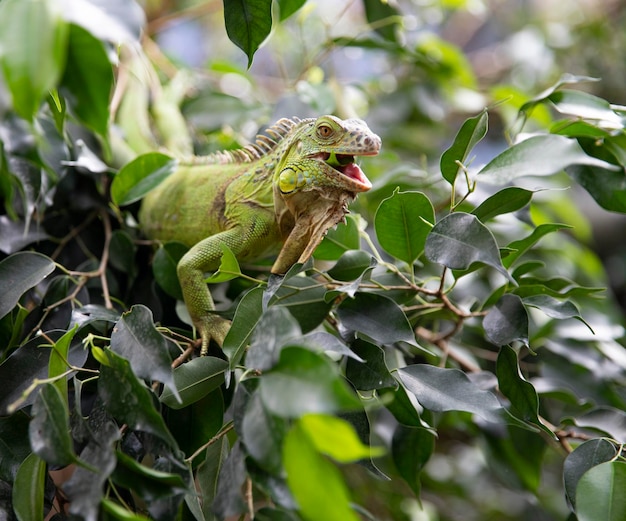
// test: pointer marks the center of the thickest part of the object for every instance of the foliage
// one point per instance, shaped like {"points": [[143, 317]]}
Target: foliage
{"points": [[450, 345]]}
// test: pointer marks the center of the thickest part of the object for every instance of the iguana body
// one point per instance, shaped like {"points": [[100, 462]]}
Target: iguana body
{"points": [[287, 189]]}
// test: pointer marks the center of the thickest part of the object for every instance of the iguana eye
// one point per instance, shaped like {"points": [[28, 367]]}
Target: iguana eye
{"points": [[324, 131]]}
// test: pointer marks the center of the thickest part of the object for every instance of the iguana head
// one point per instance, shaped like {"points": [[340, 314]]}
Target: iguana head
{"points": [[317, 178], [322, 155]]}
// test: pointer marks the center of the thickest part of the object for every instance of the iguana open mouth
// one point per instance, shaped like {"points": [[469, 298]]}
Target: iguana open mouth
{"points": [[344, 163]]}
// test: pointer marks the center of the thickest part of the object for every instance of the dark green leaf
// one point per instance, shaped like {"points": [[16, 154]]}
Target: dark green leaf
{"points": [[383, 17], [581, 459], [33, 43], [305, 382], [89, 79], [127, 398], [439, 389], [372, 373], [194, 380], [28, 489], [208, 473], [322, 341], [538, 156], [600, 493], [304, 297], [472, 132], [289, 7], [605, 419], [507, 321], [507, 200], [555, 308], [246, 317], [607, 187], [136, 339], [402, 223], [229, 500], [352, 265], [459, 240], [164, 265], [248, 23], [399, 403], [15, 236], [140, 176], [411, 448], [18, 273], [122, 251], [376, 317], [14, 444], [276, 328], [338, 240], [519, 247], [49, 429], [305, 465]]}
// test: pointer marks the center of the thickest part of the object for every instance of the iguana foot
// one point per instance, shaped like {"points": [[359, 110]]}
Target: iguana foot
{"points": [[211, 328]]}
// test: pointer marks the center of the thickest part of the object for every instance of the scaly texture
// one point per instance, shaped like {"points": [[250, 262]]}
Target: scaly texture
{"points": [[288, 188]]}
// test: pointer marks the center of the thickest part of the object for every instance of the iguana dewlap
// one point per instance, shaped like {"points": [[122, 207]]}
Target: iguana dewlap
{"points": [[284, 191]]}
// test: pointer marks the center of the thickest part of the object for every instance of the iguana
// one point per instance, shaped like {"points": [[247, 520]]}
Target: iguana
{"points": [[288, 188]]}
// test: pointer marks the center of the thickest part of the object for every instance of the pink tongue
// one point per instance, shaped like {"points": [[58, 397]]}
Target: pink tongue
{"points": [[354, 171]]}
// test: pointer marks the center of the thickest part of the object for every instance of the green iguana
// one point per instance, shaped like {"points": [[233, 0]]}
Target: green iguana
{"points": [[289, 187]]}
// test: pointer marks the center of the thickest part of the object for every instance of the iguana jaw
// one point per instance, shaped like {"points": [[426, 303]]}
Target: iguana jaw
{"points": [[345, 165]]}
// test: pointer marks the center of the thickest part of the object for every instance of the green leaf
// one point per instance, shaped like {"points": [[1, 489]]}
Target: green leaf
{"points": [[519, 391], [508, 200], [305, 298], [246, 317], [248, 24], [140, 176], [136, 339], [128, 399], [605, 419], [459, 240], [194, 380], [507, 321], [49, 429], [565, 79], [315, 482], [336, 438], [289, 7], [521, 246], [402, 223], [538, 156], [89, 79], [14, 444], [208, 473], [581, 459], [58, 361], [585, 106], [411, 448], [33, 44], [555, 308], [472, 132], [372, 372], [352, 265], [600, 493], [164, 266], [383, 17], [338, 240], [28, 489], [377, 317], [18, 273], [440, 389], [305, 382], [229, 267], [607, 187]]}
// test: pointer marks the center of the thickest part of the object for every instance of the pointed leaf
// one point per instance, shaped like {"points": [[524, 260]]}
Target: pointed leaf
{"points": [[229, 267], [472, 132], [49, 429], [372, 373], [584, 105], [439, 389], [607, 187], [581, 459], [377, 317], [18, 273], [508, 200], [605, 419], [402, 223], [248, 23], [600, 493], [411, 448], [538, 156], [140, 176], [352, 265], [305, 465], [33, 43], [521, 246], [338, 240], [136, 339], [459, 240], [246, 317], [207, 475], [127, 398], [507, 321], [555, 308], [28, 489], [194, 380], [164, 265]]}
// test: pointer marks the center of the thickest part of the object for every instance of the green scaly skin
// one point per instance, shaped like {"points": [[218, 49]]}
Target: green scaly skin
{"points": [[289, 188]]}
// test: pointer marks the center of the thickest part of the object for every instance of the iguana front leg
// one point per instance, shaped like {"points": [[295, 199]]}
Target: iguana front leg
{"points": [[205, 257]]}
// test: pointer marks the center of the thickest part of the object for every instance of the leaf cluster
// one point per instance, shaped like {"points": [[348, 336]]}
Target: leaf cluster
{"points": [[437, 319]]}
